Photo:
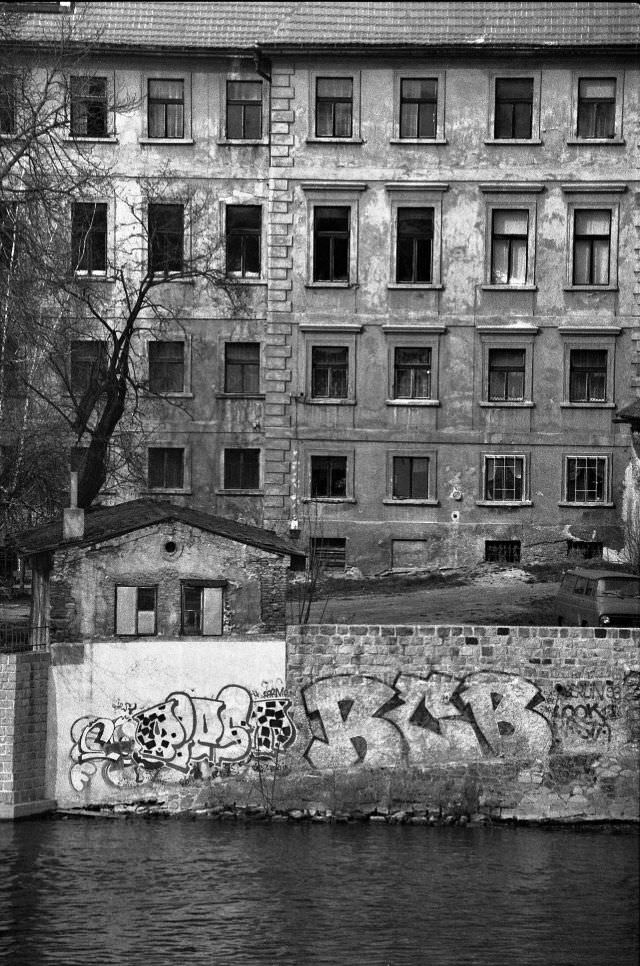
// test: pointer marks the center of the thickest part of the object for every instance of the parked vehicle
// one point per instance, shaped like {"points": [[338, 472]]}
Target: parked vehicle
{"points": [[599, 598]]}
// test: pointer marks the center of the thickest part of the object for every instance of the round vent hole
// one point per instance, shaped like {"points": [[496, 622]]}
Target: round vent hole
{"points": [[170, 546]]}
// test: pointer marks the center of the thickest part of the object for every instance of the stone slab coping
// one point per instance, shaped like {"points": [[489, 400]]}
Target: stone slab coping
{"points": [[25, 809]]}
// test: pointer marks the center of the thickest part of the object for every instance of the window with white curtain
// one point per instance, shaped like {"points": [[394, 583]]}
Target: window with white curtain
{"points": [[591, 246], [509, 235], [504, 479], [166, 109]]}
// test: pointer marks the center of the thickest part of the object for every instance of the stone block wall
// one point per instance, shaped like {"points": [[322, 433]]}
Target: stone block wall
{"points": [[23, 733]]}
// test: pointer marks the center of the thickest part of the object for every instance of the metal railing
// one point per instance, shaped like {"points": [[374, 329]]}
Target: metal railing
{"points": [[16, 637]]}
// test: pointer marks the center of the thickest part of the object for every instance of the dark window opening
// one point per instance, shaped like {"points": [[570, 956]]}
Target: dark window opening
{"points": [[502, 551], [414, 245], [244, 110], [513, 108], [412, 373], [88, 369], [7, 104], [329, 476], [327, 552], [89, 107], [89, 238], [410, 478], [136, 610], [334, 107], [244, 228], [596, 107], [588, 375], [586, 479], [166, 366], [509, 233], [331, 244], [329, 372], [242, 367], [166, 238], [166, 109], [242, 469], [201, 610], [504, 479], [591, 247], [166, 467], [418, 107], [506, 375], [584, 549]]}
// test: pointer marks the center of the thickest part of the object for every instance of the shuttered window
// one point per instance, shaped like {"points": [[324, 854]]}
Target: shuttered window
{"points": [[136, 609]]}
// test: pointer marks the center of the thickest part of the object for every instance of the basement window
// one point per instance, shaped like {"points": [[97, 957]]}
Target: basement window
{"points": [[502, 551], [327, 552]]}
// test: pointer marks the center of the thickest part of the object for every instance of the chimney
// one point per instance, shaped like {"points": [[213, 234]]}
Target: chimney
{"points": [[73, 516]]}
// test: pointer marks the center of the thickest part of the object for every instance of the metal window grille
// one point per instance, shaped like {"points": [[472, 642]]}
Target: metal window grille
{"points": [[504, 479], [586, 479], [502, 551]]}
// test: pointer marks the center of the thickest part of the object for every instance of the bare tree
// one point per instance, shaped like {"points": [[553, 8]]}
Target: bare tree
{"points": [[631, 515]]}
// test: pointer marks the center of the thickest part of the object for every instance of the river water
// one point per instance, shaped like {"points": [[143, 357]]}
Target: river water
{"points": [[98, 892]]}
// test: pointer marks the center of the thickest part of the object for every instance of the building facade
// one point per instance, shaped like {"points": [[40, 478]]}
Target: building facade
{"points": [[431, 209]]}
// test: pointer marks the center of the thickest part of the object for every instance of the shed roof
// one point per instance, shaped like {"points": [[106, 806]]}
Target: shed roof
{"points": [[349, 23], [629, 414], [105, 523]]}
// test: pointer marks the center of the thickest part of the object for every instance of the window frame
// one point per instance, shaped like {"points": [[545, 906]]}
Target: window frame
{"points": [[502, 338], [242, 277], [412, 451], [416, 195], [76, 391], [607, 502], [416, 73], [325, 337], [327, 451], [107, 271], [251, 490], [167, 75], [203, 585], [242, 77], [333, 195], [525, 500], [185, 392], [137, 632], [355, 77], [582, 198], [257, 394], [186, 239], [587, 74], [504, 202], [413, 337], [186, 467], [536, 77], [110, 135], [579, 340], [12, 86]]}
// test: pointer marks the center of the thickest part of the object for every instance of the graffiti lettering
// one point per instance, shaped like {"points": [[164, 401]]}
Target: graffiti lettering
{"points": [[179, 734], [583, 711], [631, 701]]}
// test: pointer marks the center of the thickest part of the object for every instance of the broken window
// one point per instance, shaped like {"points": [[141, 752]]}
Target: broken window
{"points": [[166, 238], [166, 467], [334, 107], [166, 109], [244, 228], [506, 375], [329, 372], [596, 107], [89, 238], [410, 478], [509, 234], [418, 107], [244, 110], [166, 366], [329, 476], [242, 469], [591, 247], [136, 609], [588, 375], [331, 244], [513, 108], [504, 479], [586, 479], [201, 609], [242, 367], [89, 106], [412, 372], [414, 254]]}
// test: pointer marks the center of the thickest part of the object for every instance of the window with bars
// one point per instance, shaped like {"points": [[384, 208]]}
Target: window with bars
{"points": [[244, 230], [166, 109], [506, 375], [166, 467], [89, 238], [591, 246], [504, 479], [334, 107], [244, 110], [414, 250], [513, 108], [329, 476], [412, 372], [329, 372], [502, 551], [586, 479], [201, 610], [136, 611], [418, 107], [166, 366], [88, 107], [88, 365], [596, 107], [327, 552], [587, 375], [166, 238], [242, 367], [331, 226], [410, 478], [509, 242], [7, 104], [242, 469]]}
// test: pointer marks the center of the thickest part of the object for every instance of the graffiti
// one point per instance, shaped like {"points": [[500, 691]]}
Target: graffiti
{"points": [[583, 710], [631, 702], [180, 734], [416, 720]]}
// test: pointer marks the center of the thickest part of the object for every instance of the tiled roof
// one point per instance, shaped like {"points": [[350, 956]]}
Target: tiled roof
{"points": [[108, 522], [239, 25]]}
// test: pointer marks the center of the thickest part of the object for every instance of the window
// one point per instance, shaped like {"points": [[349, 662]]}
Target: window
{"points": [[89, 238], [334, 107], [244, 229], [412, 372], [329, 372], [242, 368], [596, 107], [504, 479], [506, 375], [331, 244], [410, 478], [166, 467], [327, 552], [242, 469], [513, 108], [244, 110], [414, 256], [136, 609], [418, 107], [591, 246], [502, 551], [166, 109], [166, 366], [89, 107], [88, 365], [201, 609], [166, 238], [509, 234], [587, 375], [7, 104], [586, 479], [329, 476]]}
